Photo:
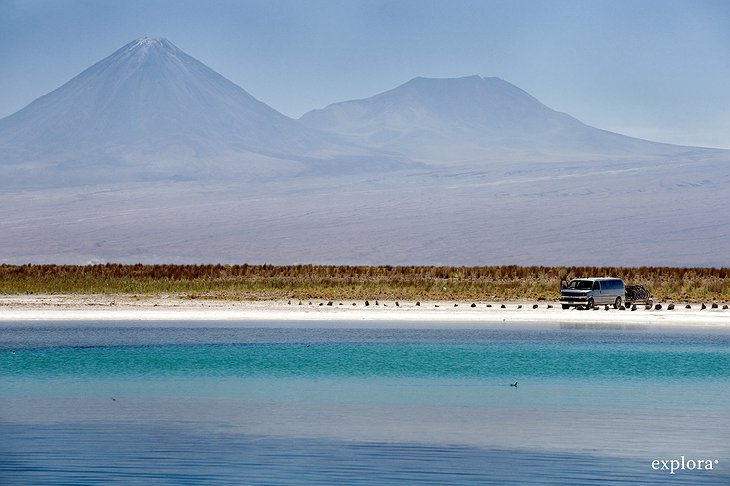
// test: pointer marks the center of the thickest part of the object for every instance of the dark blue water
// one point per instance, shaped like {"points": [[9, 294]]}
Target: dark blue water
{"points": [[216, 403]]}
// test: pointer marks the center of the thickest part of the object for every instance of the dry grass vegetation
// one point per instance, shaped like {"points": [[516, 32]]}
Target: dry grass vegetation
{"points": [[257, 282]]}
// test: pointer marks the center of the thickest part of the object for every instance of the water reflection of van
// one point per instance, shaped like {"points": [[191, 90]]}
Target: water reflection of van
{"points": [[590, 292]]}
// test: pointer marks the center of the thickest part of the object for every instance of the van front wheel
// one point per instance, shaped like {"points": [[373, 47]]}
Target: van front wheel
{"points": [[591, 303], [617, 304]]}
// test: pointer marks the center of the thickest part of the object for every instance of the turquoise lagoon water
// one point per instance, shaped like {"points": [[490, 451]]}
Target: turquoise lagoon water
{"points": [[233, 403]]}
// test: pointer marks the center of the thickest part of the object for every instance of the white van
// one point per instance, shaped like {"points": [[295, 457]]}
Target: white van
{"points": [[590, 292]]}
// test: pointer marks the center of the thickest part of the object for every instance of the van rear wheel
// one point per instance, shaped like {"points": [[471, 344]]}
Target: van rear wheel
{"points": [[566, 306], [617, 304]]}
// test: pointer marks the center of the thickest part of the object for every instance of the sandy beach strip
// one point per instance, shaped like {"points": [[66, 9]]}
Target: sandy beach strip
{"points": [[171, 308]]}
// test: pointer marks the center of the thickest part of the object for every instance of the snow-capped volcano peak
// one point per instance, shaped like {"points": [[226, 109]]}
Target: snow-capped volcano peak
{"points": [[145, 46], [146, 52], [147, 42]]}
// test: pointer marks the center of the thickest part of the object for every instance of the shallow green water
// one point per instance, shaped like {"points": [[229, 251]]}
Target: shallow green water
{"points": [[603, 360], [395, 353]]}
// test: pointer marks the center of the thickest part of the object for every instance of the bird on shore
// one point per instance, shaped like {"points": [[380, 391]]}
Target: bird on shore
{"points": [[513, 384]]}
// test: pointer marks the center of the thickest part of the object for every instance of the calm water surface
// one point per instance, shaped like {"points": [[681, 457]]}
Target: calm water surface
{"points": [[226, 403]]}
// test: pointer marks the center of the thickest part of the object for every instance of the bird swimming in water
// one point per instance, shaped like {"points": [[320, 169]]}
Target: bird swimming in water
{"points": [[513, 384]]}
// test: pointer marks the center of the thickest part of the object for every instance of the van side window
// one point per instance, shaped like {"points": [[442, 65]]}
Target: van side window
{"points": [[596, 286]]}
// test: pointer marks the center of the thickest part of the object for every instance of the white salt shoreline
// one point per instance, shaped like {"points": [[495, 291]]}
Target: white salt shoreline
{"points": [[340, 314]]}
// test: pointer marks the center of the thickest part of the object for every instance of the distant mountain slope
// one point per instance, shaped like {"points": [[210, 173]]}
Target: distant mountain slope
{"points": [[151, 156], [451, 120], [151, 111]]}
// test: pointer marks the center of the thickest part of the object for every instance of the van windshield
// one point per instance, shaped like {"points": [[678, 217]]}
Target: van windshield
{"points": [[580, 284]]}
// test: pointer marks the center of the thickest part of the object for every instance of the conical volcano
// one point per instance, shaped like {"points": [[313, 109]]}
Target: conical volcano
{"points": [[150, 111]]}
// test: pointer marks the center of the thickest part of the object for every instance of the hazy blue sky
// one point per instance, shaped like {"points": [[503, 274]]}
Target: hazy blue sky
{"points": [[657, 69]]}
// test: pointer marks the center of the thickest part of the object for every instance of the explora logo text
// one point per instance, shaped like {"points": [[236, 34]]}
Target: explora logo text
{"points": [[683, 464]]}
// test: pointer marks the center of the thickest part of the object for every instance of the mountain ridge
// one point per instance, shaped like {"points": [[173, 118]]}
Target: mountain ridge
{"points": [[151, 156], [151, 109], [154, 112], [426, 116]]}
